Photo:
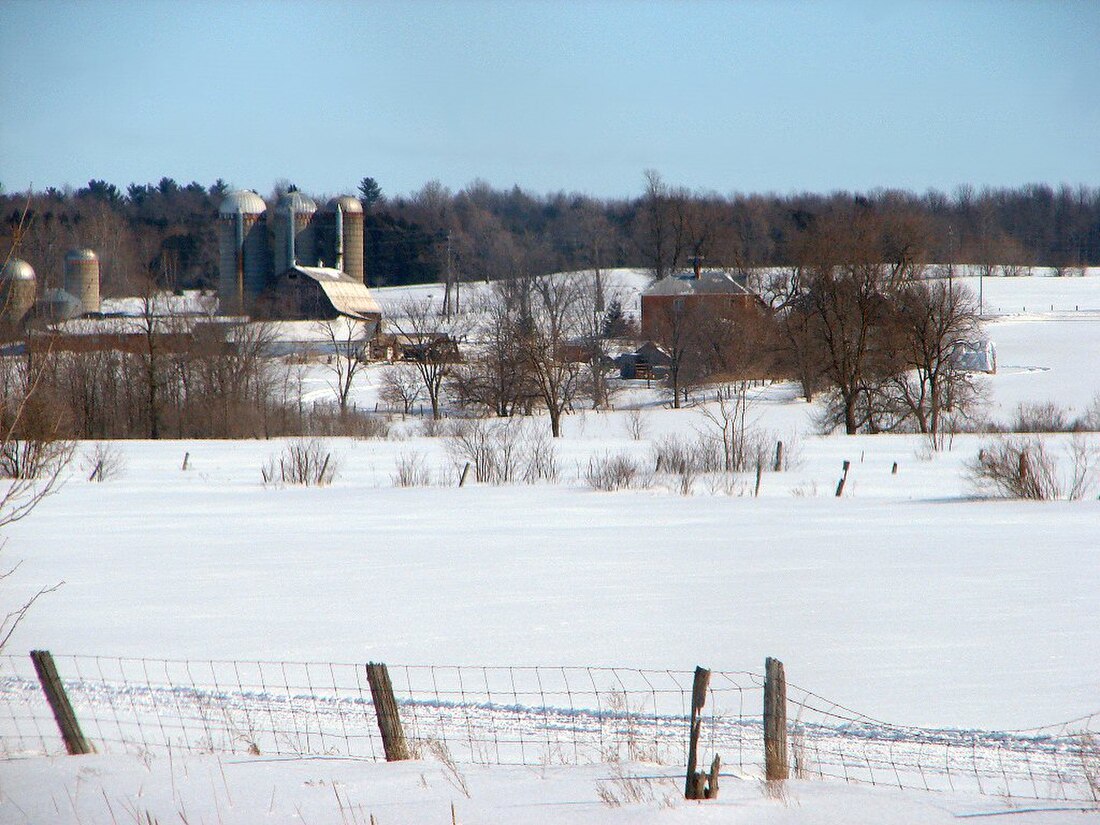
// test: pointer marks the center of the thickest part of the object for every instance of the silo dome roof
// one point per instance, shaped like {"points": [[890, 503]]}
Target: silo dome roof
{"points": [[81, 255], [297, 203], [242, 201], [347, 203], [17, 270]]}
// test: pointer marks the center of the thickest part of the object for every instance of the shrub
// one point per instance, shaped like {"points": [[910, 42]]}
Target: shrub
{"points": [[104, 462], [412, 471], [611, 472], [1017, 468], [304, 461], [636, 424], [505, 451], [1040, 417]]}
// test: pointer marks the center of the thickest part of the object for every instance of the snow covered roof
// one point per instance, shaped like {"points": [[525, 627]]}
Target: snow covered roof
{"points": [[348, 296], [709, 282]]}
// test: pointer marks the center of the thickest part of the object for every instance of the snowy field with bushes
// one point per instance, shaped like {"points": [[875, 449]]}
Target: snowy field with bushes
{"points": [[921, 596]]}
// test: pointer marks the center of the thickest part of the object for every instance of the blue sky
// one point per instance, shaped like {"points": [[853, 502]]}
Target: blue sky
{"points": [[723, 96]]}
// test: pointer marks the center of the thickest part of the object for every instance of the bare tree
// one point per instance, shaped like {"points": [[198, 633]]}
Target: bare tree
{"points": [[936, 319], [496, 376], [554, 322], [28, 420], [661, 230], [431, 345], [401, 387], [853, 266], [346, 338]]}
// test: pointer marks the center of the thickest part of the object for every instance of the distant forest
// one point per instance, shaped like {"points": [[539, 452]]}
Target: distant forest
{"points": [[168, 230]]}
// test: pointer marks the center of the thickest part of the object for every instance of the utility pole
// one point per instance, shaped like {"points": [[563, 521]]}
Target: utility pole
{"points": [[446, 310]]}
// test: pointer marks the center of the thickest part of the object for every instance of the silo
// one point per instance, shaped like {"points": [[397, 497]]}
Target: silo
{"points": [[294, 236], [82, 278], [17, 290], [242, 242], [348, 215]]}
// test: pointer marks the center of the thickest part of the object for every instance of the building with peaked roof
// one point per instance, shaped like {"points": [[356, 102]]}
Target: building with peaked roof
{"points": [[715, 291]]}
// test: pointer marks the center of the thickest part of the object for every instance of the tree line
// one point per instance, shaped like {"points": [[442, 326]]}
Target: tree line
{"points": [[167, 230]]}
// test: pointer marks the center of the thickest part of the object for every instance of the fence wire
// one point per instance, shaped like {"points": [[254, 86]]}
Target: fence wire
{"points": [[525, 716]]}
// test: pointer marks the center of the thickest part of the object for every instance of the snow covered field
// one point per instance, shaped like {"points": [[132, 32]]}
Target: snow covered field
{"points": [[910, 599]]}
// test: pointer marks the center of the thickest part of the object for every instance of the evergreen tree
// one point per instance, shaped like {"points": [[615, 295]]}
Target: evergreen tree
{"points": [[614, 321]]}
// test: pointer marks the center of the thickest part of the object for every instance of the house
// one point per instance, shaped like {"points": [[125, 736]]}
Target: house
{"points": [[713, 291]]}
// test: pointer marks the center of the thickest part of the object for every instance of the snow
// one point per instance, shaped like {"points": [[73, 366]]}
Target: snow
{"points": [[910, 599], [96, 790]]}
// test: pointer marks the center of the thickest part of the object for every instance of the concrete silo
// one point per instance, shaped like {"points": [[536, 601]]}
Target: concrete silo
{"points": [[347, 214], [17, 290], [242, 242], [82, 278], [294, 236]]}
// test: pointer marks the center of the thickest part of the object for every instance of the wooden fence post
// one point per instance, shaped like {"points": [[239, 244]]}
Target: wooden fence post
{"points": [[75, 743], [701, 784], [843, 479], [778, 457], [385, 708], [775, 720]]}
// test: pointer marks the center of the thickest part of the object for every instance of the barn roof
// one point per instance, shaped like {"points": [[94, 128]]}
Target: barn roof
{"points": [[348, 296], [709, 282]]}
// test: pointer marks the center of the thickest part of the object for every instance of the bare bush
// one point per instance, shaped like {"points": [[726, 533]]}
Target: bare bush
{"points": [[304, 461], [326, 420], [24, 459], [1090, 418], [1017, 468], [540, 457], [412, 471], [636, 424], [1084, 460], [612, 472], [1040, 417], [505, 451], [105, 462]]}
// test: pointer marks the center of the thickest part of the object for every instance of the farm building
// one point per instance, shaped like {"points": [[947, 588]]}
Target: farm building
{"points": [[710, 291]]}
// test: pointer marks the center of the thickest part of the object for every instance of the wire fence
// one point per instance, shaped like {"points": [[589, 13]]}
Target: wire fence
{"points": [[526, 716]]}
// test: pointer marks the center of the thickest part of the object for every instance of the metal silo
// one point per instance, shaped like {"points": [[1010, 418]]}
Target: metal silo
{"points": [[17, 290], [294, 236], [82, 278], [348, 215], [242, 241]]}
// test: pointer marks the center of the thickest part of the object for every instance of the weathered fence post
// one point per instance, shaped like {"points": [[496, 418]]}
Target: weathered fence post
{"points": [[75, 743], [778, 457], [843, 479], [465, 472], [385, 708], [894, 469], [701, 784], [775, 720]]}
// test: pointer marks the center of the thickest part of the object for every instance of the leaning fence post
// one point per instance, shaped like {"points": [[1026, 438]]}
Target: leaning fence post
{"points": [[843, 479], [699, 785], [775, 720], [75, 743], [385, 708]]}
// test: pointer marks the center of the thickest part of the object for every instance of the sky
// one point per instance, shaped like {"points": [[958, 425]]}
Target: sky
{"points": [[551, 96]]}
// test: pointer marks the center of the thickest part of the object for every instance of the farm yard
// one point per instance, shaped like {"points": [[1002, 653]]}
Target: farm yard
{"points": [[916, 599]]}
